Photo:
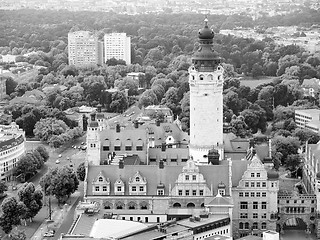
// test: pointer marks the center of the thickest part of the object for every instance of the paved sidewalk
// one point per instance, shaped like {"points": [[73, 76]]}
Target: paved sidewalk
{"points": [[58, 216]]}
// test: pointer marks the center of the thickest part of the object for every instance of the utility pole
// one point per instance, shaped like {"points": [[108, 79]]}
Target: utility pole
{"points": [[49, 206]]}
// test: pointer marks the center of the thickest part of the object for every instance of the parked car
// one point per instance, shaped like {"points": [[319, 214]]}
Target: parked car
{"points": [[60, 155], [50, 233], [57, 161]]}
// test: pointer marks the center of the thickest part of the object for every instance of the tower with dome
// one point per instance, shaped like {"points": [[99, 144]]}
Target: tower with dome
{"points": [[206, 99]]}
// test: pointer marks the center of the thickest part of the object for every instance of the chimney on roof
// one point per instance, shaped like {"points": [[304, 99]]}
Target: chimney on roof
{"points": [[99, 107], [213, 157], [121, 164], [161, 164], [163, 147], [136, 124], [118, 127], [93, 116]]}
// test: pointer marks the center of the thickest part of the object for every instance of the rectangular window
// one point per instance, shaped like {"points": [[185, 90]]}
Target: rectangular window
{"points": [[194, 177], [104, 188], [158, 219], [258, 174], [252, 194], [258, 184], [257, 194], [97, 188], [139, 148], [160, 192], [264, 215], [187, 177], [252, 184], [243, 215], [201, 192], [187, 192], [141, 188], [263, 194], [246, 194], [243, 205], [255, 205], [128, 148], [117, 148], [252, 174], [119, 188], [134, 188], [146, 219], [240, 194], [180, 192], [194, 192], [105, 148], [255, 215], [246, 184], [264, 184], [264, 205]]}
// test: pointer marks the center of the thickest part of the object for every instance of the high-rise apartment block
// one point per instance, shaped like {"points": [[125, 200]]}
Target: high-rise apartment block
{"points": [[118, 46], [84, 48]]}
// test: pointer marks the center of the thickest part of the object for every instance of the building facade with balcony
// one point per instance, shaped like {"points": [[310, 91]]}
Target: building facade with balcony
{"points": [[12, 147]]}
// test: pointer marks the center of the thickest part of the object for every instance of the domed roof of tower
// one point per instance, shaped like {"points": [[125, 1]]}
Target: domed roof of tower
{"points": [[206, 32], [221, 185], [272, 174]]}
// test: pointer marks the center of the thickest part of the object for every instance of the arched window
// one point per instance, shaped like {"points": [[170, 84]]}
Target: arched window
{"points": [[210, 77], [176, 205], [100, 179], [263, 225], [201, 77], [144, 205], [137, 179], [240, 225], [132, 205], [202, 205], [255, 225], [246, 225], [191, 205], [119, 205]]}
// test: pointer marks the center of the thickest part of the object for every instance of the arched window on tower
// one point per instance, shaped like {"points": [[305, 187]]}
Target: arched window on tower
{"points": [[201, 77], [210, 77]]}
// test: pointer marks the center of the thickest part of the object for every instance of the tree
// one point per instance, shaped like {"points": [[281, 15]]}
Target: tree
{"points": [[3, 187], [147, 98], [45, 128], [11, 212], [43, 152], [18, 235], [170, 99], [114, 62], [119, 102], [239, 127], [25, 168], [10, 85], [286, 146], [306, 135], [127, 83], [81, 171], [60, 182], [292, 163], [31, 198]]}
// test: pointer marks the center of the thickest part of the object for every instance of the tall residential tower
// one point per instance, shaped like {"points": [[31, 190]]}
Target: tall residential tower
{"points": [[118, 46], [206, 100], [84, 48]]}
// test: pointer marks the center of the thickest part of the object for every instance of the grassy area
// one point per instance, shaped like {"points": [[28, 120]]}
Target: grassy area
{"points": [[254, 82]]}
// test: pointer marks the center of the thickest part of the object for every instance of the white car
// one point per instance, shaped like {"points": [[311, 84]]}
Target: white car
{"points": [[60, 155], [57, 161]]}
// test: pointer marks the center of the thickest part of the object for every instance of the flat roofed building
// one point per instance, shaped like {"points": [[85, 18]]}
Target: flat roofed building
{"points": [[2, 87], [308, 116], [84, 48], [118, 46]]}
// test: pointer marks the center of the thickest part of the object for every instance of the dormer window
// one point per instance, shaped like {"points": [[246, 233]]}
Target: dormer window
{"points": [[137, 179], [222, 192], [160, 192], [100, 179]]}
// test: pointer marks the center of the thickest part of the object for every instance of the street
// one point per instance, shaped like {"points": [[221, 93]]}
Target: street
{"points": [[296, 235]]}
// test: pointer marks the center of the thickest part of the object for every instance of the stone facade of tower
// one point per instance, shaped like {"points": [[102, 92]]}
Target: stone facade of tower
{"points": [[206, 99], [93, 141]]}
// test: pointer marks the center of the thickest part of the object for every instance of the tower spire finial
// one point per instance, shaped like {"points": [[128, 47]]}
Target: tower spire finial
{"points": [[206, 21]]}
